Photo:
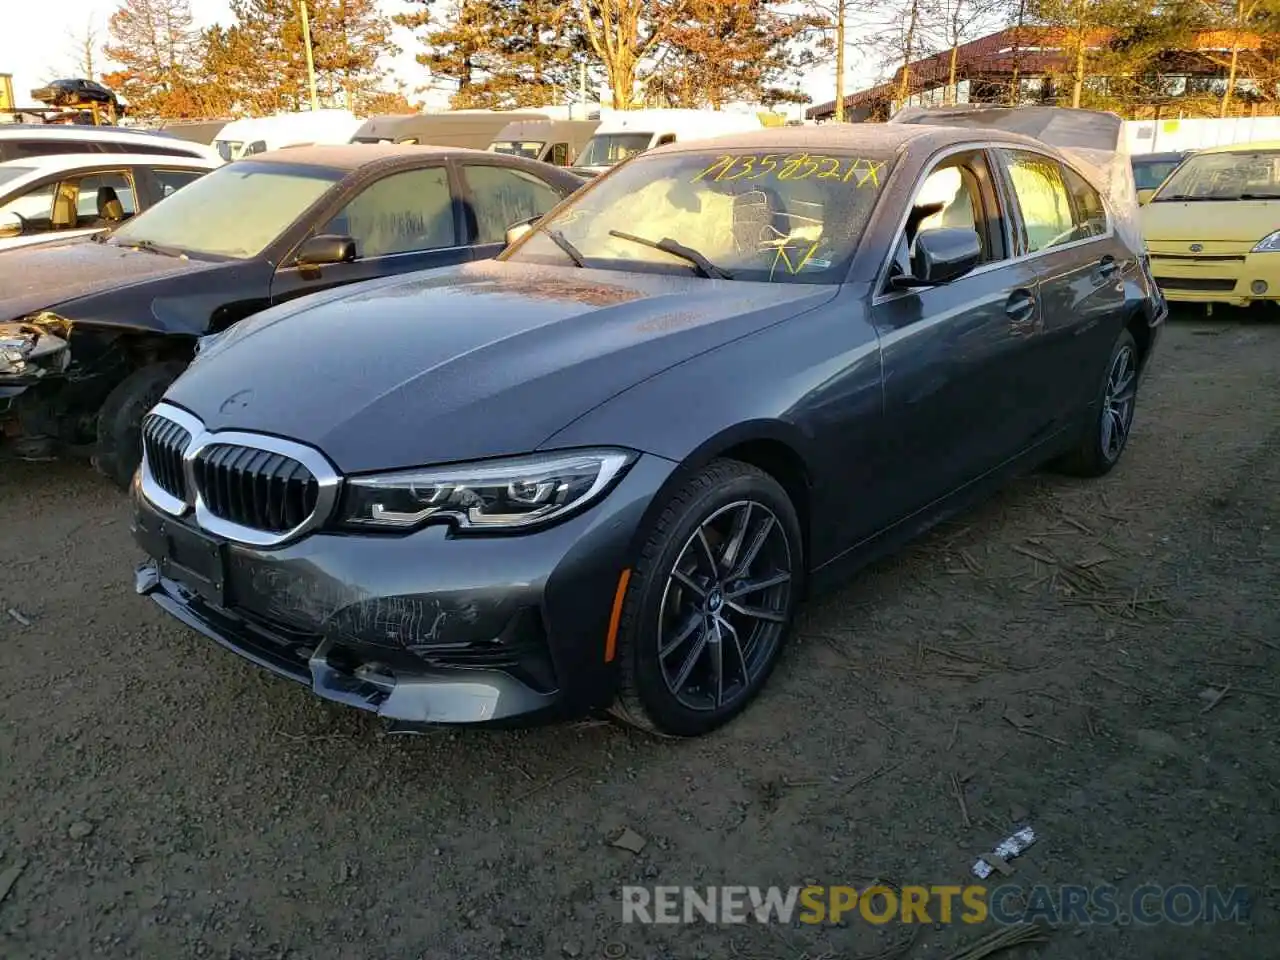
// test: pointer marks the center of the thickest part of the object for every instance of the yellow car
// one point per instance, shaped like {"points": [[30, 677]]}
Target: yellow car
{"points": [[1213, 228]]}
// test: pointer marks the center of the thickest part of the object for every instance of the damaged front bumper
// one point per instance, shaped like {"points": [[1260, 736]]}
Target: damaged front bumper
{"points": [[30, 351], [424, 628]]}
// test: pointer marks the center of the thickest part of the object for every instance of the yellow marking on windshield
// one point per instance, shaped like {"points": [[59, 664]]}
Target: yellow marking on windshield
{"points": [[859, 171]]}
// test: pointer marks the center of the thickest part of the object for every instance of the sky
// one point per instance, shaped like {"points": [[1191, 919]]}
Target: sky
{"points": [[36, 46]]}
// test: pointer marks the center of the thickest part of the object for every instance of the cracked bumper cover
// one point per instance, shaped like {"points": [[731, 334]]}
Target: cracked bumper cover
{"points": [[423, 628]]}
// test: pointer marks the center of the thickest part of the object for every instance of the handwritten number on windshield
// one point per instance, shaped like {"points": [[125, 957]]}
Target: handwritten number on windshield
{"points": [[858, 171]]}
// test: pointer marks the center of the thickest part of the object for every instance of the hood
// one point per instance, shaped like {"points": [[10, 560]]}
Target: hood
{"points": [[1210, 221], [47, 275], [483, 360]]}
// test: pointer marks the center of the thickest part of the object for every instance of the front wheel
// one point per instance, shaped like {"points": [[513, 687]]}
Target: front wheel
{"points": [[119, 447], [1107, 431], [711, 602]]}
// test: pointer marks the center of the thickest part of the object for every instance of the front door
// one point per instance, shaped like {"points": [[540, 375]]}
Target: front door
{"points": [[403, 222], [955, 388]]}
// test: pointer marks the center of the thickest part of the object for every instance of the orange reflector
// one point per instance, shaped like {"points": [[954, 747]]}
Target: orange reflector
{"points": [[611, 641]]}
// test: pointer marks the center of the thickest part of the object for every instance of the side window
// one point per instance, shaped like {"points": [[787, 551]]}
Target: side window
{"points": [[665, 139], [1040, 185], [94, 200], [957, 193], [559, 155], [401, 213], [173, 180], [501, 196], [17, 149], [35, 208], [1088, 211]]}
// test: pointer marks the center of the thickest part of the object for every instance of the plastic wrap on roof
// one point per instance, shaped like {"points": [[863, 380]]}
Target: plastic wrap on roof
{"points": [[1092, 140]]}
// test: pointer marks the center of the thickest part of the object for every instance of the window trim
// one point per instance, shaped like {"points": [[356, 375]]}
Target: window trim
{"points": [[993, 148]]}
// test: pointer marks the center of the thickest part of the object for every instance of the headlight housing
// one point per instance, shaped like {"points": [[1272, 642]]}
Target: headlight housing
{"points": [[1268, 244], [514, 493]]}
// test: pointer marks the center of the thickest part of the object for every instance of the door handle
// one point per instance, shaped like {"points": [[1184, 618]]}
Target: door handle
{"points": [[1107, 267], [1021, 308]]}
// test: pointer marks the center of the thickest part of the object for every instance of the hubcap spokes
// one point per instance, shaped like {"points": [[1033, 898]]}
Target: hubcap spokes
{"points": [[724, 605], [1117, 405]]}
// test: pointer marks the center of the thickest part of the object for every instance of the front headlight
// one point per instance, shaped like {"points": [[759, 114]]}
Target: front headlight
{"points": [[508, 494], [1268, 244]]}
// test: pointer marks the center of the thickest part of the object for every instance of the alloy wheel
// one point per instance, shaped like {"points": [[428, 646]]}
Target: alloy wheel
{"points": [[1118, 402], [724, 606]]}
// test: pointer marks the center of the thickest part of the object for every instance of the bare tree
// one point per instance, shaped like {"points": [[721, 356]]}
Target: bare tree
{"points": [[85, 47], [957, 23], [622, 33], [1235, 18], [830, 19]]}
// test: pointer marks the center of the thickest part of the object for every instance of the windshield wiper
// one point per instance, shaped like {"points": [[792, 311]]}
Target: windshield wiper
{"points": [[1260, 196], [704, 266], [152, 247], [1186, 196], [570, 251]]}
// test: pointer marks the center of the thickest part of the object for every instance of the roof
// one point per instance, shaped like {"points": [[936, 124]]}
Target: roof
{"points": [[1242, 147], [404, 124], [59, 131], [1163, 156], [74, 161], [881, 137], [352, 156]]}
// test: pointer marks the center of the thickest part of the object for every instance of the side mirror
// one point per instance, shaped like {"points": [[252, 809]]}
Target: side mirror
{"points": [[519, 229], [941, 256], [10, 225], [1144, 197], [326, 248]]}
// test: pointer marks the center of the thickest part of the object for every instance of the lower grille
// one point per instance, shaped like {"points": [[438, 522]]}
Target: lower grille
{"points": [[164, 443], [255, 488], [1195, 283]]}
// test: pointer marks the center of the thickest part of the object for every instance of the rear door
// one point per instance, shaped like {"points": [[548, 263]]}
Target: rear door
{"points": [[1065, 231], [954, 356], [404, 221], [494, 197]]}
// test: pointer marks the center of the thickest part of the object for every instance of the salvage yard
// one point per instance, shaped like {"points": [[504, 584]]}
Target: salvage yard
{"points": [[1098, 660]]}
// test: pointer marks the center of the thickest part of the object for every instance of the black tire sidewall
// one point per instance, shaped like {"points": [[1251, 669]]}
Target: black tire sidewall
{"points": [[119, 447], [1094, 441], [735, 482]]}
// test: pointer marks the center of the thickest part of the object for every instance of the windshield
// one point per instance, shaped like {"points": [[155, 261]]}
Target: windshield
{"points": [[1235, 175], [786, 218], [9, 174], [236, 211], [606, 149], [530, 149], [1149, 174]]}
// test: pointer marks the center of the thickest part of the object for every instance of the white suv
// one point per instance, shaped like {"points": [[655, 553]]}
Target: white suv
{"points": [[70, 195], [20, 141]]}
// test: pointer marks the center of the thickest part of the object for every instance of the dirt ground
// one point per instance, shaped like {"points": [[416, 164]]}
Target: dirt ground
{"points": [[1049, 654]]}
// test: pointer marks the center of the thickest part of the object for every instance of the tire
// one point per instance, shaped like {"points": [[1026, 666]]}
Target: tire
{"points": [[726, 502], [1110, 420], [119, 447]]}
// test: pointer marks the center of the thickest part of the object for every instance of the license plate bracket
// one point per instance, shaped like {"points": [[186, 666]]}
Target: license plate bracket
{"points": [[192, 559]]}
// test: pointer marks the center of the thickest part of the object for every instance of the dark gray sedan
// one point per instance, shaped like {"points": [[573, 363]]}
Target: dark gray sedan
{"points": [[603, 470]]}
